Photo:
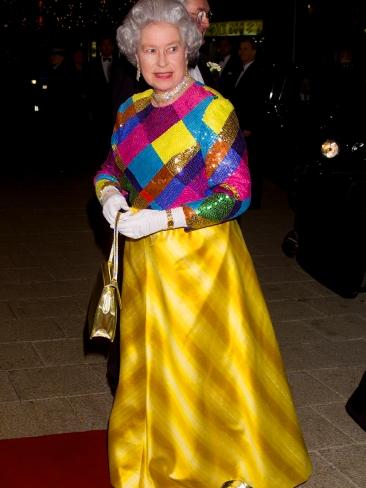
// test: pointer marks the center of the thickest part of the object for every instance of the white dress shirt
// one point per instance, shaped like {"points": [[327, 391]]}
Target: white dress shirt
{"points": [[196, 74], [107, 64], [223, 62]]}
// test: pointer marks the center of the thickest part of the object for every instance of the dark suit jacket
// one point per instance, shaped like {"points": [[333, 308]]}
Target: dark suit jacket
{"points": [[209, 78], [229, 75], [248, 98], [123, 83], [99, 91], [106, 96]]}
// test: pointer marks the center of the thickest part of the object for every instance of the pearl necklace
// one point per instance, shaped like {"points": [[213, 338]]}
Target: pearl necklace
{"points": [[169, 95]]}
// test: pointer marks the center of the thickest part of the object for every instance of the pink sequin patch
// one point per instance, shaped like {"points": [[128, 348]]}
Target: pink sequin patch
{"points": [[133, 144]]}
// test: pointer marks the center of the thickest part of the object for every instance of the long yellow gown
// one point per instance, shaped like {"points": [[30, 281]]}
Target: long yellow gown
{"points": [[203, 397]]}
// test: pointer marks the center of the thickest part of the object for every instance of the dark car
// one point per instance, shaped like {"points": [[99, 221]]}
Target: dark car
{"points": [[328, 196], [291, 121]]}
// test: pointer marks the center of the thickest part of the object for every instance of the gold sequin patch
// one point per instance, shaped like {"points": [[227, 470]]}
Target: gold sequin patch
{"points": [[177, 163]]}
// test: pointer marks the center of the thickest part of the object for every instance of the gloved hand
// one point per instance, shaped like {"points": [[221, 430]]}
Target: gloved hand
{"points": [[113, 201], [146, 222]]}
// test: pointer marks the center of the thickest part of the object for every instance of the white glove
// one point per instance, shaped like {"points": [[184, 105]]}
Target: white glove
{"points": [[145, 222], [113, 201]]}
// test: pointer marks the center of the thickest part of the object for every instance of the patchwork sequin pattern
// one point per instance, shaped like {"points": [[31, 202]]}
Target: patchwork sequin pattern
{"points": [[190, 153]]}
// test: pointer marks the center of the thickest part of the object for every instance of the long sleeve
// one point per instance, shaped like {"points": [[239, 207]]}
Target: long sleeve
{"points": [[225, 155], [111, 172]]}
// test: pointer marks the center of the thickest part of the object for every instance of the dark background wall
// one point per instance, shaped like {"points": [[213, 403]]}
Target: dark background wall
{"points": [[298, 31], [302, 31]]}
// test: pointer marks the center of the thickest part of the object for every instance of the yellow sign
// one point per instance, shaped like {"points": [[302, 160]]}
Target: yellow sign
{"points": [[235, 28]]}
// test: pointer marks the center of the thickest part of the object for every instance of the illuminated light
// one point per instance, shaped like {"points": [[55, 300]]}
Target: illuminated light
{"points": [[235, 28], [34, 82], [357, 146], [44, 87], [94, 49], [36, 108], [329, 148]]}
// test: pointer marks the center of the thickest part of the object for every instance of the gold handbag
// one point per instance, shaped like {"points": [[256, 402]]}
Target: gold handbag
{"points": [[105, 301]]}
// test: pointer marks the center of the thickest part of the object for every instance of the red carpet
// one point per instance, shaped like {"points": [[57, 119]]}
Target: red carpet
{"points": [[76, 460]]}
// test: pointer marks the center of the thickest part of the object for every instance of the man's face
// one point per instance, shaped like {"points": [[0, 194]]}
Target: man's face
{"points": [[199, 10], [224, 47], [56, 59], [247, 52], [106, 47]]}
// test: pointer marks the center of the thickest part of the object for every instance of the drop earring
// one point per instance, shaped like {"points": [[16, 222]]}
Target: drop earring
{"points": [[138, 72]]}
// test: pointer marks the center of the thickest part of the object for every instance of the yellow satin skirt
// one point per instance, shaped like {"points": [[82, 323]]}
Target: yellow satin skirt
{"points": [[203, 397]]}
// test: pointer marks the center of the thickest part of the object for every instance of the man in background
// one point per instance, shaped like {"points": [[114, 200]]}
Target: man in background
{"points": [[249, 100], [200, 12], [111, 81], [230, 64]]}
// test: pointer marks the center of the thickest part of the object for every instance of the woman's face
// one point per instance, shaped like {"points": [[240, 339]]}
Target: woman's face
{"points": [[162, 56]]}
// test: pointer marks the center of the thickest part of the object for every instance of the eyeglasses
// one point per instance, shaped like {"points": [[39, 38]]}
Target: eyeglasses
{"points": [[201, 15]]}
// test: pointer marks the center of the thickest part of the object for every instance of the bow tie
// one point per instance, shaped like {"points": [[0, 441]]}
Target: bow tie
{"points": [[107, 59]]}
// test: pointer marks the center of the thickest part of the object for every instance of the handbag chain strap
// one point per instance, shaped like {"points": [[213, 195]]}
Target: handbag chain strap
{"points": [[113, 256]]}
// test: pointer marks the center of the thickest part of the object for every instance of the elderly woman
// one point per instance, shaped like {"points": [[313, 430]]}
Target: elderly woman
{"points": [[202, 400]]}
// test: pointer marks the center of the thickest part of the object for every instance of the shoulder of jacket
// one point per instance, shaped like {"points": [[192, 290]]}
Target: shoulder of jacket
{"points": [[146, 94], [138, 100], [133, 104], [219, 101], [217, 111]]}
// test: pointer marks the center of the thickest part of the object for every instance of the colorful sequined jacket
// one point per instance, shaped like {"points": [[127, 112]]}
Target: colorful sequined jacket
{"points": [[190, 153]]}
